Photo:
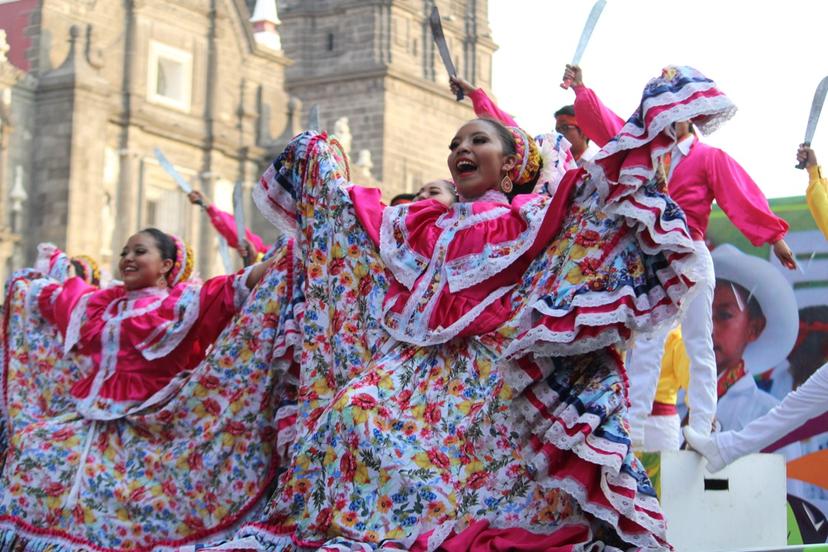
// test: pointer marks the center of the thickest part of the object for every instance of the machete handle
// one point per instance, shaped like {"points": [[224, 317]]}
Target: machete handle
{"points": [[455, 87], [801, 164], [566, 83]]}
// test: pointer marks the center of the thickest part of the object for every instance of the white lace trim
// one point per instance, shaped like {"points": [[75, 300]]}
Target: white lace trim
{"points": [[491, 195], [395, 256], [632, 136], [34, 292], [240, 290], [286, 436], [76, 319], [463, 216], [544, 342], [412, 325], [611, 516], [191, 300], [530, 421], [281, 220], [469, 270], [110, 346]]}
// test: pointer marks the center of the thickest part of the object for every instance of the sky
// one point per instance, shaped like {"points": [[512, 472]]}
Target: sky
{"points": [[768, 57]]}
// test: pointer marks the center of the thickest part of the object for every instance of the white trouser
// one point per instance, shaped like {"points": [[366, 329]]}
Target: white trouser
{"points": [[662, 433], [697, 333], [808, 401]]}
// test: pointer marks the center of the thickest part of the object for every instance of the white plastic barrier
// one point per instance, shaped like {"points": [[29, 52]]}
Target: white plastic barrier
{"points": [[740, 507]]}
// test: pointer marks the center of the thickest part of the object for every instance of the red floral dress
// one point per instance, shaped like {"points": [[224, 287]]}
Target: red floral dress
{"points": [[458, 383], [139, 419]]}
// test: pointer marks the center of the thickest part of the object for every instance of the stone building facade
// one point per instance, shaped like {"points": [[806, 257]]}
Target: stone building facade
{"points": [[105, 82], [89, 88], [375, 63]]}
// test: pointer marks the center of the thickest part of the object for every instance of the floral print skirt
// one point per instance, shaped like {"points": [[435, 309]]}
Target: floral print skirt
{"points": [[188, 465]]}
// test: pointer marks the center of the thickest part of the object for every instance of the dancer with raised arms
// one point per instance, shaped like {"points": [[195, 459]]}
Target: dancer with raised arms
{"points": [[123, 431], [461, 381]]}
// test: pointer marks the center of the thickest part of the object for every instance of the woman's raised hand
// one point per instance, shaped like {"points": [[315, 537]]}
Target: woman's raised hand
{"points": [[459, 83], [573, 75], [196, 198]]}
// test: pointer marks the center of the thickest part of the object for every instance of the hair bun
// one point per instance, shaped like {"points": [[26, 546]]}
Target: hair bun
{"points": [[183, 266], [529, 157], [91, 270]]}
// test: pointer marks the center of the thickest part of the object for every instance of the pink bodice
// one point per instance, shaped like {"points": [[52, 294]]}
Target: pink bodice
{"points": [[137, 341], [453, 267]]}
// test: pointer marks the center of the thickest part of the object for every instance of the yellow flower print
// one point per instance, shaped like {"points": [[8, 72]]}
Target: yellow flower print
{"points": [[575, 276], [361, 476], [349, 519], [361, 270], [303, 462], [330, 456], [484, 368], [577, 252], [436, 509], [422, 460], [473, 467]]}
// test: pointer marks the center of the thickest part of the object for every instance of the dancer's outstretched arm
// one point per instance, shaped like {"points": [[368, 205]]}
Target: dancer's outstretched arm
{"points": [[808, 401]]}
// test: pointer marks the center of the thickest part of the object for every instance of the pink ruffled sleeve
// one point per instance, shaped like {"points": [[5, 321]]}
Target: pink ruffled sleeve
{"points": [[742, 200], [485, 107], [225, 224], [220, 298], [57, 301], [598, 122]]}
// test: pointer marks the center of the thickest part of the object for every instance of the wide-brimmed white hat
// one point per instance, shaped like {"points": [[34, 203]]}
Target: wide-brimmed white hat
{"points": [[776, 299]]}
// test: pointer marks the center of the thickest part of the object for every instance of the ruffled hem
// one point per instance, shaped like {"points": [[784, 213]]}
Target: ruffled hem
{"points": [[275, 205], [276, 196], [251, 424], [584, 322], [15, 534], [573, 446], [479, 536]]}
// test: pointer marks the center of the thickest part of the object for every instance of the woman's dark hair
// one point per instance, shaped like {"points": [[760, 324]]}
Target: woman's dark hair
{"points": [[566, 110], [811, 349], [402, 198], [510, 148], [449, 185], [165, 244], [80, 270]]}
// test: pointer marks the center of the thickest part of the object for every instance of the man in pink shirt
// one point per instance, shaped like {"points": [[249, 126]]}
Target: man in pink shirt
{"points": [[567, 124], [694, 174]]}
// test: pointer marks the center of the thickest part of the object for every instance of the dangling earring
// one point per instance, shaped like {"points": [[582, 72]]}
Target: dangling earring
{"points": [[506, 184]]}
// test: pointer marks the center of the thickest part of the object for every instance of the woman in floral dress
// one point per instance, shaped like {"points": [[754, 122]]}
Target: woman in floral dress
{"points": [[460, 386], [121, 434]]}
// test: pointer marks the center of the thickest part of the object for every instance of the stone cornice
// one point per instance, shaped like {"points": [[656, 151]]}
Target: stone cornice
{"points": [[152, 126], [75, 72], [373, 73], [311, 9]]}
